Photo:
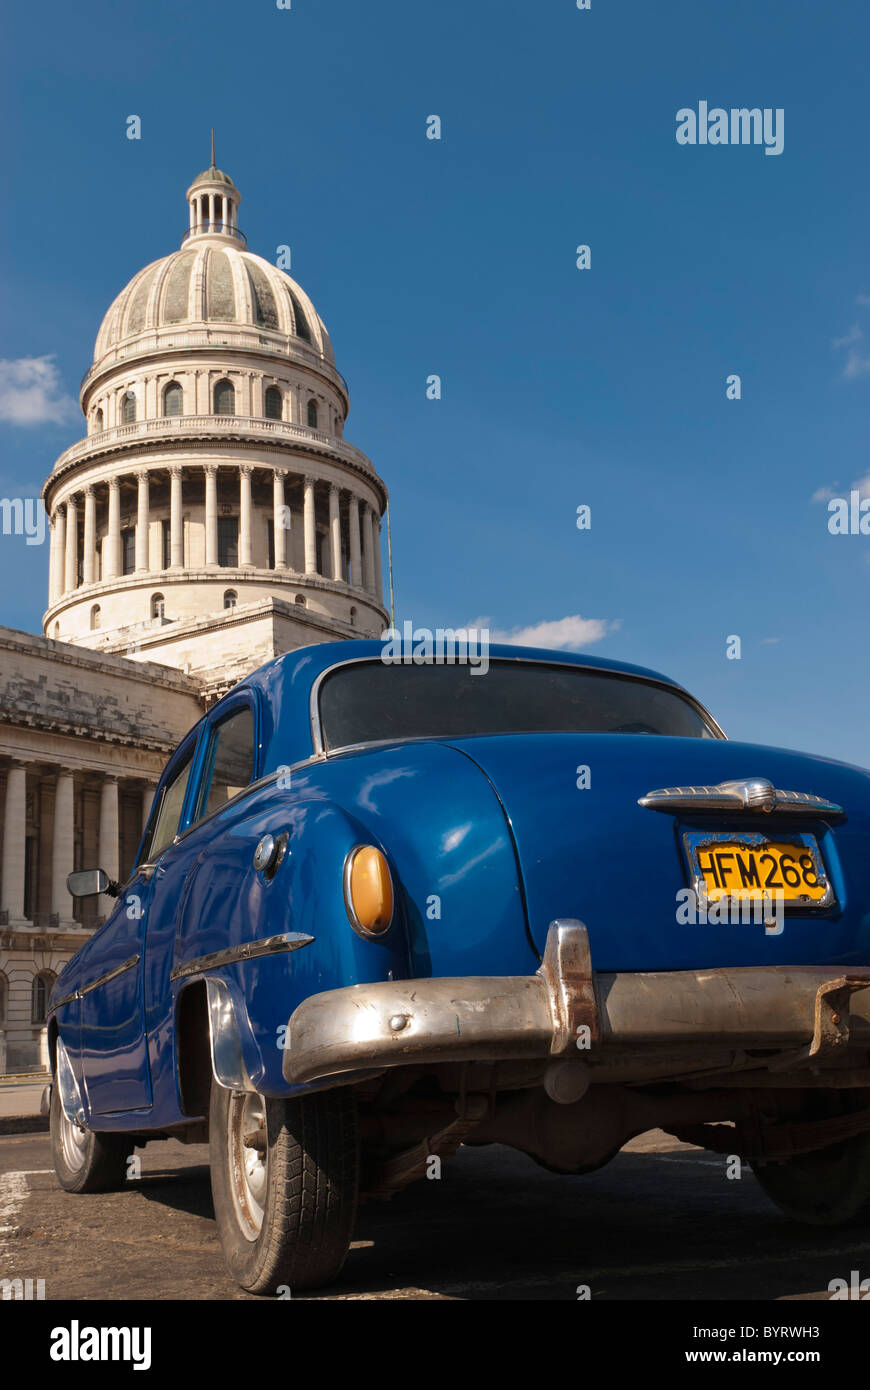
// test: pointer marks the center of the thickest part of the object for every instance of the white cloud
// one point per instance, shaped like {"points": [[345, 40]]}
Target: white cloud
{"points": [[853, 336], [563, 634], [31, 393], [826, 494], [856, 365], [862, 485]]}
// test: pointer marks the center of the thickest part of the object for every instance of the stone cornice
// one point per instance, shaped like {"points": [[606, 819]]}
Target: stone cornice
{"points": [[20, 719], [245, 613], [64, 653], [225, 577], [186, 433], [201, 344]]}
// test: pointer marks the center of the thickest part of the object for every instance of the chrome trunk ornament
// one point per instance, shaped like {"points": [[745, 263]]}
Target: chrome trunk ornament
{"points": [[747, 794]]}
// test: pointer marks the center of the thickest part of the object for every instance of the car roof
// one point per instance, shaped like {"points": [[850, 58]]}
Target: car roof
{"points": [[312, 661], [283, 688]]}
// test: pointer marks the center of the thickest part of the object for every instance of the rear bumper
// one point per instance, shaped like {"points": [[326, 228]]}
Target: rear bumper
{"points": [[807, 1014]]}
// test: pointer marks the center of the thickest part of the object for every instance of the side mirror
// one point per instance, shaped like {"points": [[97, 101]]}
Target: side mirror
{"points": [[88, 882]]}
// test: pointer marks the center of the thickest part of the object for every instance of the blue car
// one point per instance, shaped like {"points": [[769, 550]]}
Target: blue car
{"points": [[384, 907]]}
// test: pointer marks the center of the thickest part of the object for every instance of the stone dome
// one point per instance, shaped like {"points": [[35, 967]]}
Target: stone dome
{"points": [[209, 281], [214, 514]]}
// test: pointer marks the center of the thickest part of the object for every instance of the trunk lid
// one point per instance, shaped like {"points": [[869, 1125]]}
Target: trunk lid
{"points": [[596, 855]]}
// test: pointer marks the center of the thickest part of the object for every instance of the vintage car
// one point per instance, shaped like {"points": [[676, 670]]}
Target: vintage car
{"points": [[382, 909]]}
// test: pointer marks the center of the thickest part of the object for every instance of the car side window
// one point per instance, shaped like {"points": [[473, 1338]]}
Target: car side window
{"points": [[229, 762], [169, 813]]}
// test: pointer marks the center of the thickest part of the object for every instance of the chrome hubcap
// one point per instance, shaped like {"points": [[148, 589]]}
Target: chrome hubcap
{"points": [[73, 1142], [249, 1160]]}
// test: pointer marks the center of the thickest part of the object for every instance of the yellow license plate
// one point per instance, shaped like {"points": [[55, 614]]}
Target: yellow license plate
{"points": [[741, 866]]}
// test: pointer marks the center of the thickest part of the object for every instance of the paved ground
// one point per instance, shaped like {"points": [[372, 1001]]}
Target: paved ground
{"points": [[662, 1221]]}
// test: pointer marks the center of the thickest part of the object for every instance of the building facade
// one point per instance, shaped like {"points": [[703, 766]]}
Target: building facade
{"points": [[213, 516]]}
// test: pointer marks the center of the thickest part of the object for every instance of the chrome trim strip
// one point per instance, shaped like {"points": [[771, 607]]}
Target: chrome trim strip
{"points": [[256, 786], [751, 794], [248, 950], [110, 975], [320, 750], [95, 984], [67, 999]]}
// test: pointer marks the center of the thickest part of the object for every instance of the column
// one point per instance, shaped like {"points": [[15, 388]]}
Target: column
{"points": [[211, 216], [379, 582], [278, 516], [245, 514], [62, 845], [60, 558], [368, 548], [211, 526], [108, 841], [12, 867], [142, 517], [309, 529], [176, 533], [52, 562], [192, 206], [355, 565], [90, 540], [113, 550], [334, 532], [71, 556]]}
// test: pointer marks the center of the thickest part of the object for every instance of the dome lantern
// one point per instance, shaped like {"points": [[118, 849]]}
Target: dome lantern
{"points": [[213, 205]]}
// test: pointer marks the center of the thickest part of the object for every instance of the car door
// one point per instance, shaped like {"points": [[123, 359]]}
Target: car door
{"points": [[226, 762], [114, 1048]]}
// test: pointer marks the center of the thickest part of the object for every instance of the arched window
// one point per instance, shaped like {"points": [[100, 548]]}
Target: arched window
{"points": [[4, 997], [98, 421], [173, 399], [312, 414], [95, 617], [39, 994], [128, 408], [57, 632], [224, 398], [158, 605], [300, 599], [230, 598], [273, 403]]}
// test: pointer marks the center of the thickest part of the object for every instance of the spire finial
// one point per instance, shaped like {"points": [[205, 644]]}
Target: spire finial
{"points": [[212, 147]]}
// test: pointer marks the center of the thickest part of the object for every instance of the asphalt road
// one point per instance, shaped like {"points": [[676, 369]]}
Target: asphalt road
{"points": [[662, 1221]]}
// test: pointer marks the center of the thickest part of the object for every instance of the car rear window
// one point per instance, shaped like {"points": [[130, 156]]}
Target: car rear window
{"points": [[369, 701]]}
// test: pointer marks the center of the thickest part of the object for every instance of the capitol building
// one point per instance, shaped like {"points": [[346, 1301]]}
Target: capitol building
{"points": [[212, 517]]}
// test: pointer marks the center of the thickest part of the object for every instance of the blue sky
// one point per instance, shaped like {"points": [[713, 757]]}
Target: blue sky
{"points": [[561, 387]]}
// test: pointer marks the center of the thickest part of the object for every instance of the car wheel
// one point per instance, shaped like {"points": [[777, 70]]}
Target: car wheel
{"points": [[825, 1188], [285, 1181], [85, 1161]]}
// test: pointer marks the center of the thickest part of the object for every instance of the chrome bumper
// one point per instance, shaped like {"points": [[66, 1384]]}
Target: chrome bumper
{"points": [[814, 1012]]}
